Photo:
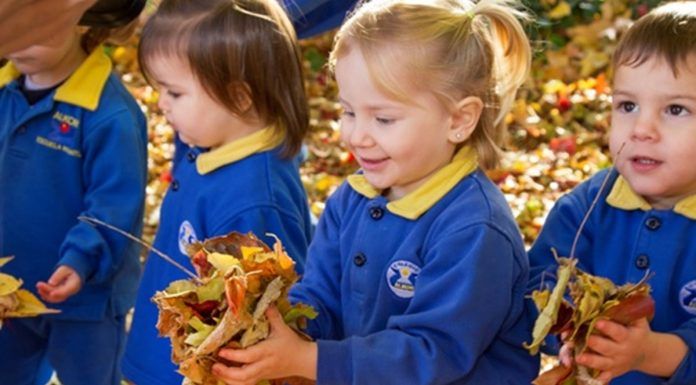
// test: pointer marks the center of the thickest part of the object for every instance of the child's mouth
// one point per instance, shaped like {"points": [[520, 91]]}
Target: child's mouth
{"points": [[372, 164], [641, 163]]}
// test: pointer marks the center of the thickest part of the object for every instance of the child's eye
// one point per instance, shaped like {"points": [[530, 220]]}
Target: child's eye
{"points": [[173, 94], [677, 110], [626, 106], [384, 121], [349, 114]]}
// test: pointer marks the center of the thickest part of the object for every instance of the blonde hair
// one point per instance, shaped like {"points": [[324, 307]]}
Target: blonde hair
{"points": [[454, 47], [667, 32], [238, 50]]}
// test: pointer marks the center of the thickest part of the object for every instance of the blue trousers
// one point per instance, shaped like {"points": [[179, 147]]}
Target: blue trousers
{"points": [[81, 352]]}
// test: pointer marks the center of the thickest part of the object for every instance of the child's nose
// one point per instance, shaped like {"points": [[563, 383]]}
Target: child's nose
{"points": [[359, 135], [162, 103], [645, 128]]}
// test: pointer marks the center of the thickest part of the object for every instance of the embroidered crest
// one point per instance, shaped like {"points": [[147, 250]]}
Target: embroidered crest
{"points": [[687, 297], [187, 236], [64, 129], [401, 278]]}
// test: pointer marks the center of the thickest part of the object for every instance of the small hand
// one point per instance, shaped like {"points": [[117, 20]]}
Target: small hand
{"points": [[618, 350], [283, 354], [64, 282]]}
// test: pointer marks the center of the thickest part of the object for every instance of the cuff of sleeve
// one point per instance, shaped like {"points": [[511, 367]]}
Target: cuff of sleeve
{"points": [[334, 362], [686, 372], [79, 263]]}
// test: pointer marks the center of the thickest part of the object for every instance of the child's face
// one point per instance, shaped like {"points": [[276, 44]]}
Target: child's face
{"points": [[199, 120], [654, 114], [398, 145], [45, 57]]}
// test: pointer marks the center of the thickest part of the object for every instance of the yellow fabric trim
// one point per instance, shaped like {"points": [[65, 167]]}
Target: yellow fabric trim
{"points": [[259, 141], [8, 73], [623, 197], [84, 87], [687, 207], [417, 202]]}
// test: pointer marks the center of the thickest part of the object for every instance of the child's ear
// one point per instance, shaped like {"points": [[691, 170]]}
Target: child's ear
{"points": [[242, 97], [465, 117]]}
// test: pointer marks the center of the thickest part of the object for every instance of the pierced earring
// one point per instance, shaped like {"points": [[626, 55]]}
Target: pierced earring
{"points": [[457, 136]]}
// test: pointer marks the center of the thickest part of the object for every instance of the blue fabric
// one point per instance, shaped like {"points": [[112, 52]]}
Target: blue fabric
{"points": [[312, 17], [261, 193], [66, 344], [437, 300], [610, 246], [50, 177]]}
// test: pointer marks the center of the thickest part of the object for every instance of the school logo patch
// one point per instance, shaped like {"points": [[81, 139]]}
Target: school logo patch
{"points": [[401, 278], [687, 297], [187, 236], [64, 129]]}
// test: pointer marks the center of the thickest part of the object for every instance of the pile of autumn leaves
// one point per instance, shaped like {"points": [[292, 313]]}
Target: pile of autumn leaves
{"points": [[16, 302], [573, 307], [238, 278]]}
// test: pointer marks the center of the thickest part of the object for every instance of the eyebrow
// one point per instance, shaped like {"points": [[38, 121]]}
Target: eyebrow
{"points": [[376, 107], [668, 96]]}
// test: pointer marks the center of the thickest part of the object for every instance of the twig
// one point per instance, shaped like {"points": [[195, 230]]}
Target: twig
{"points": [[95, 221], [592, 206]]}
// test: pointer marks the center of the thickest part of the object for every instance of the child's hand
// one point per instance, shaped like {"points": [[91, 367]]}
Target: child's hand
{"points": [[63, 283], [282, 354], [619, 350]]}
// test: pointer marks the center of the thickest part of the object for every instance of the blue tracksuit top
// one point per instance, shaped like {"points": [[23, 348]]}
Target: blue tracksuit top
{"points": [[242, 186], [623, 239], [426, 289], [81, 150]]}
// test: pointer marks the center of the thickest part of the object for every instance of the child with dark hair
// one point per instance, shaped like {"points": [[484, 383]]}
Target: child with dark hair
{"points": [[645, 219], [230, 83]]}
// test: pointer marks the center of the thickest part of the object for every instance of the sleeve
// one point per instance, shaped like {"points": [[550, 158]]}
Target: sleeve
{"points": [[686, 372], [320, 286], [464, 297], [114, 176]]}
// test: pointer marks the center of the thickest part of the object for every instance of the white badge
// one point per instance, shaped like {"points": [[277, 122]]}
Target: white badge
{"points": [[187, 236], [401, 278]]}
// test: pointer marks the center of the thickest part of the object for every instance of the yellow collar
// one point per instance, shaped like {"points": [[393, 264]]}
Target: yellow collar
{"points": [[83, 88], [623, 197], [8, 73], [259, 141], [417, 202]]}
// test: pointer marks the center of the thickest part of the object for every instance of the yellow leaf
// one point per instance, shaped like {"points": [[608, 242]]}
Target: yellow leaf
{"points": [[250, 251], [29, 306], [9, 284], [225, 262], [560, 11], [4, 260], [547, 317]]}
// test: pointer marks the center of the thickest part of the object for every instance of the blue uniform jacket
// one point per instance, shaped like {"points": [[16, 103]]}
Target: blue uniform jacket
{"points": [[82, 150], [243, 186], [623, 239], [427, 289]]}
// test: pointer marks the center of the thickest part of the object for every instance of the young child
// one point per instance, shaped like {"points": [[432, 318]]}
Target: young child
{"points": [[72, 142], [645, 219], [230, 82], [417, 268]]}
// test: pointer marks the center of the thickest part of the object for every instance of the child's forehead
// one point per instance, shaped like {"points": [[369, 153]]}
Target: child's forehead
{"points": [[680, 68]]}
